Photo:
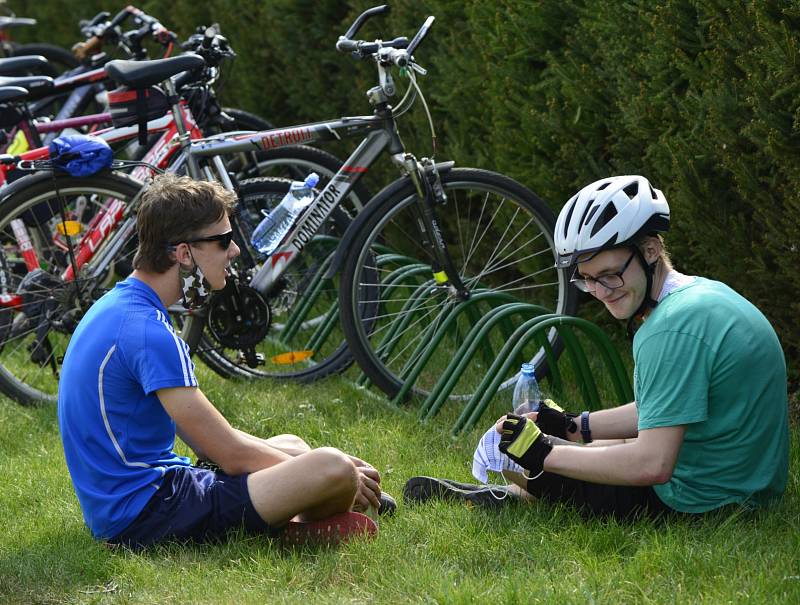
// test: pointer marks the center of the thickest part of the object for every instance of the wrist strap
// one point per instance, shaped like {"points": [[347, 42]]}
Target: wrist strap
{"points": [[586, 434]]}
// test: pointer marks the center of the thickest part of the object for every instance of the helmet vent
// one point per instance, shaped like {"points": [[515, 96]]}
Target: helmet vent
{"points": [[589, 216], [603, 186], [632, 190], [569, 216], [586, 212], [608, 214]]}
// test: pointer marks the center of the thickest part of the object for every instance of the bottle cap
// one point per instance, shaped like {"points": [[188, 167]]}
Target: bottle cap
{"points": [[312, 180], [527, 368]]}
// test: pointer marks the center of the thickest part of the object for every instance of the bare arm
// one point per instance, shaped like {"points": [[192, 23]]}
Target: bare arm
{"points": [[207, 432], [614, 423], [647, 460]]}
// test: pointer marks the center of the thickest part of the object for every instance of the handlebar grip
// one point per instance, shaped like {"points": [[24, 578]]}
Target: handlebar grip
{"points": [[343, 45], [370, 12], [401, 42], [423, 31]]}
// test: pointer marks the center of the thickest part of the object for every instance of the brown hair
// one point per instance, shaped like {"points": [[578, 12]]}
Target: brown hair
{"points": [[174, 209]]}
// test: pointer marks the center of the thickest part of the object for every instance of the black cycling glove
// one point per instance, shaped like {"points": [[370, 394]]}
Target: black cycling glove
{"points": [[524, 443], [554, 421]]}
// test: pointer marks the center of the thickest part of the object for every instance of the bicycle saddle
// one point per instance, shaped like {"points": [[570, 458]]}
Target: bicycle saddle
{"points": [[9, 22], [12, 93], [12, 65], [141, 74], [32, 83]]}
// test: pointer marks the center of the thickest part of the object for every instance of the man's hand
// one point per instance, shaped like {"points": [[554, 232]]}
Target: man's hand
{"points": [[552, 419], [523, 442], [369, 486]]}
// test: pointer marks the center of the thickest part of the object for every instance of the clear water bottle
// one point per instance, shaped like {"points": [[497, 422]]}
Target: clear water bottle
{"points": [[269, 233], [526, 392]]}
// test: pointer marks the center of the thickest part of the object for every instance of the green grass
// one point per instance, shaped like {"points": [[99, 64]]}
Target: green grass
{"points": [[430, 554]]}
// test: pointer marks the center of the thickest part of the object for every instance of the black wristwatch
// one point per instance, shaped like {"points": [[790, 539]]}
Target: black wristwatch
{"points": [[586, 434]]}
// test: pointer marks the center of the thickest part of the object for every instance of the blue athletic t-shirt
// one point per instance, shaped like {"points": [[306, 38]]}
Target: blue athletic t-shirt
{"points": [[117, 437]]}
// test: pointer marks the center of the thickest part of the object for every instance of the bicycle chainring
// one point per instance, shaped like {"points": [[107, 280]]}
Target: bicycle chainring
{"points": [[238, 316]]}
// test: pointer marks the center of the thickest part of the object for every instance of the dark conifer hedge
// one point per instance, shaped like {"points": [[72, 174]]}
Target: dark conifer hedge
{"points": [[701, 96]]}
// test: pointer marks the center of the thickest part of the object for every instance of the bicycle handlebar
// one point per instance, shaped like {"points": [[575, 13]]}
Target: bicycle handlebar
{"points": [[362, 48]]}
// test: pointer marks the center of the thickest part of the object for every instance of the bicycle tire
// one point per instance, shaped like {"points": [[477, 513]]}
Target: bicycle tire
{"points": [[33, 200], [483, 221], [300, 285]]}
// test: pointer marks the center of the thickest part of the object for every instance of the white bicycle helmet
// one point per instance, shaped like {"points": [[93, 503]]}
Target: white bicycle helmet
{"points": [[609, 213]]}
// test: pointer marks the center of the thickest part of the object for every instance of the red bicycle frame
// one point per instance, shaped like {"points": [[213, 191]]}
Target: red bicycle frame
{"points": [[112, 212]]}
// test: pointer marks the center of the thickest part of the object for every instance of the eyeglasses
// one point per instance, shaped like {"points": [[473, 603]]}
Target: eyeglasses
{"points": [[223, 239], [610, 281]]}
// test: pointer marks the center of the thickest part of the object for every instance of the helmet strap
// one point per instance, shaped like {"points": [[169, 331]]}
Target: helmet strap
{"points": [[647, 302]]}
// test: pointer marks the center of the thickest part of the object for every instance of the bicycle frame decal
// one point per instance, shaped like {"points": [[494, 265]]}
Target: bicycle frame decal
{"points": [[323, 206], [100, 227], [295, 136], [25, 245]]}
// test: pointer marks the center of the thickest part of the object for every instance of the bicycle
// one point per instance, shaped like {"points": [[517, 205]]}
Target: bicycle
{"points": [[432, 240], [42, 215]]}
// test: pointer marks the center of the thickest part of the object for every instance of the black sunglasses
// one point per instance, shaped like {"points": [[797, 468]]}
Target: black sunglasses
{"points": [[223, 239]]}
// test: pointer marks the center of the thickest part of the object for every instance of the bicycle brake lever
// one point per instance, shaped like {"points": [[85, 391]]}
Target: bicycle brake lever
{"points": [[418, 68]]}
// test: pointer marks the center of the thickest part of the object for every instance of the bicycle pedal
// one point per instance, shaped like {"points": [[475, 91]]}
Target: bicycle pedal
{"points": [[251, 359]]}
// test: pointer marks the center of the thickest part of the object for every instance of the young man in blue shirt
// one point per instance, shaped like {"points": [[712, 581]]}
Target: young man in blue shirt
{"points": [[128, 387]]}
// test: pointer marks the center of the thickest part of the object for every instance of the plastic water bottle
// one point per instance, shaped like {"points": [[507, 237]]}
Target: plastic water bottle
{"points": [[526, 392], [276, 224]]}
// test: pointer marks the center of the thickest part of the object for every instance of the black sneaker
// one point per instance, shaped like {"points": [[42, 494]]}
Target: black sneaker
{"points": [[421, 489], [388, 505]]}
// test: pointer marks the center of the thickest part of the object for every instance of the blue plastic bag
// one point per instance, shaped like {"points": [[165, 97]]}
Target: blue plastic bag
{"points": [[80, 154]]}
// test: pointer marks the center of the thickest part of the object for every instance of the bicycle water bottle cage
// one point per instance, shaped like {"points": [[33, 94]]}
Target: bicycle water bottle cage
{"points": [[80, 155]]}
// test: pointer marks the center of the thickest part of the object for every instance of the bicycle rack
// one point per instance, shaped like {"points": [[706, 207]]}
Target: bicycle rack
{"points": [[475, 338], [403, 274], [307, 300], [536, 329]]}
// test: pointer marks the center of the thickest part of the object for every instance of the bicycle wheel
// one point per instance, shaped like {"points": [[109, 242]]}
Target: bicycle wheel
{"points": [[499, 235], [291, 332], [39, 310]]}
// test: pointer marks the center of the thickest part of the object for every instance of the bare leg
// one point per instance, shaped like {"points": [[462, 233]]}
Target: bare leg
{"points": [[317, 484], [518, 485]]}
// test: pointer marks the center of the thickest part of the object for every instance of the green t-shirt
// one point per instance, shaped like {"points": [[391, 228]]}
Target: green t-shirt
{"points": [[708, 359]]}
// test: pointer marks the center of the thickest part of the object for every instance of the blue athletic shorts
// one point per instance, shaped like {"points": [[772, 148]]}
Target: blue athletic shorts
{"points": [[194, 504]]}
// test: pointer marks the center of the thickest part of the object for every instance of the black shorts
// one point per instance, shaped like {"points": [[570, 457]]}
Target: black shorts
{"points": [[194, 504], [594, 499]]}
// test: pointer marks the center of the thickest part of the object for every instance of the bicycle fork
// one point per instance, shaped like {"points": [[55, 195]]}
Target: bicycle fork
{"points": [[430, 193]]}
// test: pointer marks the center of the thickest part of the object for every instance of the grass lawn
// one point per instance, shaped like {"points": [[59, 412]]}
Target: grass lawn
{"points": [[435, 553]]}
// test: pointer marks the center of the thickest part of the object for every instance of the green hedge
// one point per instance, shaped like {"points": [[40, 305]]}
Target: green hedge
{"points": [[702, 96]]}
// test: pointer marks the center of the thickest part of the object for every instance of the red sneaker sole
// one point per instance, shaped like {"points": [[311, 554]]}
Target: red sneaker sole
{"points": [[331, 530]]}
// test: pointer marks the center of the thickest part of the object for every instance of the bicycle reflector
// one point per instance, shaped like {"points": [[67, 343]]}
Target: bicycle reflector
{"points": [[292, 357], [69, 228]]}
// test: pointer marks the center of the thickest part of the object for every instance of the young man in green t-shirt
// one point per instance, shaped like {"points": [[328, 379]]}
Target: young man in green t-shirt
{"points": [[709, 426]]}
